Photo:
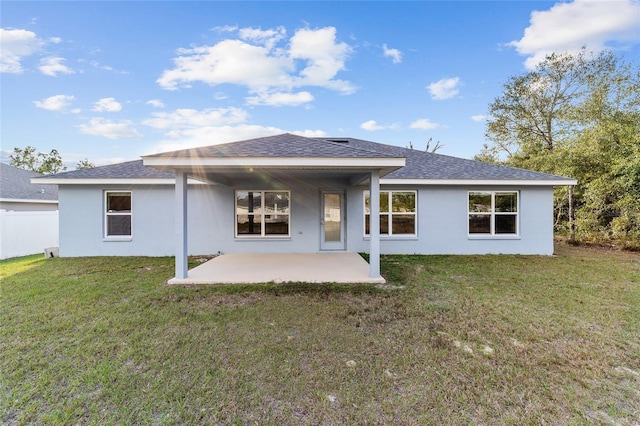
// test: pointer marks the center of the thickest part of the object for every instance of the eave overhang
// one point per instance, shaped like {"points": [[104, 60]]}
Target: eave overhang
{"points": [[110, 181], [385, 165], [480, 182]]}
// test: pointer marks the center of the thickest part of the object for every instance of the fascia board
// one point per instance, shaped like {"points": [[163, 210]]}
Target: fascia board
{"points": [[480, 182], [282, 162], [112, 181]]}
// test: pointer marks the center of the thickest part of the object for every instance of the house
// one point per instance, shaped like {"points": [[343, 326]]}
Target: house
{"points": [[295, 194], [28, 213]]}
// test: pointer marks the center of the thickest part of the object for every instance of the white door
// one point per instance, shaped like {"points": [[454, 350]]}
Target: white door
{"points": [[332, 223]]}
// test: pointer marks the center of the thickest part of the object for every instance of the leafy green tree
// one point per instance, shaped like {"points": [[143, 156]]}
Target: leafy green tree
{"points": [[44, 163], [84, 164], [606, 160], [576, 115], [26, 159]]}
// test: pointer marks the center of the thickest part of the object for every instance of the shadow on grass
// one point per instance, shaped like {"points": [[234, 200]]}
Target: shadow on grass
{"points": [[287, 289], [152, 272]]}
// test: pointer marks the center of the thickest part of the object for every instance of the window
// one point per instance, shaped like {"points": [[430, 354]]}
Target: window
{"points": [[397, 213], [262, 213], [117, 214], [493, 213]]}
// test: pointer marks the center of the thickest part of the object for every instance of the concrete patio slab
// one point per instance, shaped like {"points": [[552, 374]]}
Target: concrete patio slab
{"points": [[281, 268]]}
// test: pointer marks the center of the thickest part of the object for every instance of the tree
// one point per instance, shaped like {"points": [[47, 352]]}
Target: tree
{"points": [[576, 115], [428, 148], [39, 162], [537, 110], [84, 164], [436, 147]]}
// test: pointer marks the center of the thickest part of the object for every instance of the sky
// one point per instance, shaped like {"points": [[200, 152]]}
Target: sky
{"points": [[112, 81]]}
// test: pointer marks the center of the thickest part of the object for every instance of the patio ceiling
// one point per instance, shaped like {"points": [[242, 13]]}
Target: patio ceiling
{"points": [[230, 165], [234, 177], [227, 170]]}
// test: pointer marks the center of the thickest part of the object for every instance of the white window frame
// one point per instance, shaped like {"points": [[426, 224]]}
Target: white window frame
{"points": [[492, 214], [263, 213], [389, 213], [107, 214]]}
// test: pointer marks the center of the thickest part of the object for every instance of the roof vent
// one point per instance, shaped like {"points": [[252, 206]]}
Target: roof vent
{"points": [[339, 140]]}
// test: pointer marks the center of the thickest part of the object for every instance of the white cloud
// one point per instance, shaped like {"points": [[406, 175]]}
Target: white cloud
{"points": [[53, 66], [308, 133], [226, 62], [99, 66], [187, 128], [371, 126], [479, 117], [267, 38], [183, 120], [312, 58], [15, 45], [213, 135], [56, 103], [156, 103], [394, 54], [445, 88], [99, 126], [225, 28], [325, 58], [424, 124], [220, 96], [567, 27], [107, 105], [280, 99]]}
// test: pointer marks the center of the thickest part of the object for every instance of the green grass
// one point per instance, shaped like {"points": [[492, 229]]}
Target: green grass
{"points": [[468, 340]]}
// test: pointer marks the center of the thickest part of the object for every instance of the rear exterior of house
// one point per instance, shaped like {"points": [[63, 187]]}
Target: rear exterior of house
{"points": [[430, 220], [290, 194]]}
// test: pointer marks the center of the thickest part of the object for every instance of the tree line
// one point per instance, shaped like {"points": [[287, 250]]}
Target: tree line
{"points": [[28, 158], [576, 115]]}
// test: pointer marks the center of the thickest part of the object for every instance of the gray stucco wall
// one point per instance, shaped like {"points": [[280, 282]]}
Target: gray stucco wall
{"points": [[211, 223], [443, 224], [82, 221], [442, 221]]}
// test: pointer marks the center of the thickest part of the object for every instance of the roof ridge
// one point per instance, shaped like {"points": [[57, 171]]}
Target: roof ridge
{"points": [[356, 148]]}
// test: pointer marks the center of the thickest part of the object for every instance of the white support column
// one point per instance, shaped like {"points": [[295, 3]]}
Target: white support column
{"points": [[181, 224], [374, 225]]}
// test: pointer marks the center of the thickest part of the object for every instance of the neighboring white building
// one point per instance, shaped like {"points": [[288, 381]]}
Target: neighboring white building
{"points": [[28, 213], [293, 194]]}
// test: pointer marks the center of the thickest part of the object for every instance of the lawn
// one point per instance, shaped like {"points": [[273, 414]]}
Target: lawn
{"points": [[453, 340]]}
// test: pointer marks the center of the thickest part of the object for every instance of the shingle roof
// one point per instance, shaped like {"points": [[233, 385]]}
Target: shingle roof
{"points": [[128, 170], [16, 184], [429, 165], [419, 164], [284, 145]]}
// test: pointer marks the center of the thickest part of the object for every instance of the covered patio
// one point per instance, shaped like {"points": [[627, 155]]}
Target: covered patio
{"points": [[267, 164], [257, 268]]}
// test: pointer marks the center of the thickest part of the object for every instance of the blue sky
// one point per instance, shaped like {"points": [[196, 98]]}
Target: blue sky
{"points": [[111, 81]]}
